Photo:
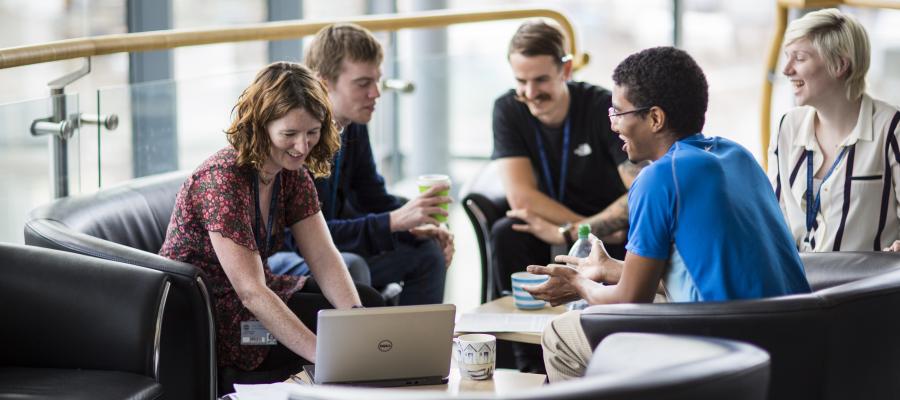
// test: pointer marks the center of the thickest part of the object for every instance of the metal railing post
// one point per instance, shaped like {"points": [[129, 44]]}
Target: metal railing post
{"points": [[60, 128]]}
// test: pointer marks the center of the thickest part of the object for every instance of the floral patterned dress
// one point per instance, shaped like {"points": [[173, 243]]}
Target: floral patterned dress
{"points": [[218, 197]]}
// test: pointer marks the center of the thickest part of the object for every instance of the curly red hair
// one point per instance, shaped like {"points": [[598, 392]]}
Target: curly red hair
{"points": [[277, 89]]}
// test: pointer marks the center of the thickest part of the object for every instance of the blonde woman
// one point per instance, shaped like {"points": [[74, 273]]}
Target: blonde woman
{"points": [[835, 162]]}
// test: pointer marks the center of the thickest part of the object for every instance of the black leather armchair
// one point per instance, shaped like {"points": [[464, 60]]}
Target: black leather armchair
{"points": [[128, 223], [627, 366], [838, 342], [77, 327], [484, 200]]}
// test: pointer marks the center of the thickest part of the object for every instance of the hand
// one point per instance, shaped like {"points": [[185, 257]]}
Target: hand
{"points": [[556, 290], [895, 247], [537, 226], [420, 211], [598, 266], [440, 233], [579, 273]]}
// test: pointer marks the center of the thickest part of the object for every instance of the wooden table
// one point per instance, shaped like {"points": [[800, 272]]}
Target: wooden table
{"points": [[506, 305]]}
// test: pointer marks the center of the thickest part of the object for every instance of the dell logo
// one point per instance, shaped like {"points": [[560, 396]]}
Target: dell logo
{"points": [[385, 346]]}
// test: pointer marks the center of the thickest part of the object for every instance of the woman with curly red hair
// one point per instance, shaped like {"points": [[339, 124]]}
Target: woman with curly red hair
{"points": [[231, 213]]}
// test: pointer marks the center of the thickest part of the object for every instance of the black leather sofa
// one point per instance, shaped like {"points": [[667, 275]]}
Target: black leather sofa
{"points": [[839, 342], [625, 366], [77, 327], [127, 223]]}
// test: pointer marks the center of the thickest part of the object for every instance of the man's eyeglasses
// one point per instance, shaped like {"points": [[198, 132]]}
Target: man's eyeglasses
{"points": [[616, 114]]}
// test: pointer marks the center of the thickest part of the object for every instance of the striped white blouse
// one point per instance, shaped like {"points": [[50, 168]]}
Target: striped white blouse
{"points": [[858, 201]]}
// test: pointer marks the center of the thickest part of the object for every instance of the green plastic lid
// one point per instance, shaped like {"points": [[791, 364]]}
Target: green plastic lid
{"points": [[584, 230]]}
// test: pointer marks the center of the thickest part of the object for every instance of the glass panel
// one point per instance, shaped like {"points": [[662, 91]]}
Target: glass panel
{"points": [[165, 125], [26, 162]]}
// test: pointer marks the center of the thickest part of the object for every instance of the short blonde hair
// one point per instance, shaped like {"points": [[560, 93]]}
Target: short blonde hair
{"points": [[836, 36], [338, 42]]}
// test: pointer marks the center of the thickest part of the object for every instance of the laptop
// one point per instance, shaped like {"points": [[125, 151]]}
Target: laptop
{"points": [[384, 346]]}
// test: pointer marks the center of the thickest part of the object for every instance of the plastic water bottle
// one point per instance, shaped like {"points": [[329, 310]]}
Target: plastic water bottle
{"points": [[582, 246], [581, 249]]}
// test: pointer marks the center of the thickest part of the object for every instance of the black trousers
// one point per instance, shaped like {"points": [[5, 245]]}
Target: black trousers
{"points": [[281, 361]]}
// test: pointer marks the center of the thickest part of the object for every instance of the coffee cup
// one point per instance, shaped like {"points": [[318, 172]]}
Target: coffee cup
{"points": [[523, 299], [425, 182], [476, 355]]}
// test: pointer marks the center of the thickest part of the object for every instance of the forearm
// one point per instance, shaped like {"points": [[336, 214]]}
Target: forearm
{"points": [[542, 205], [275, 315], [334, 279], [366, 236], [638, 281], [612, 219]]}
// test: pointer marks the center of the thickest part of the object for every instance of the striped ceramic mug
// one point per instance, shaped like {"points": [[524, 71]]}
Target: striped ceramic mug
{"points": [[523, 299]]}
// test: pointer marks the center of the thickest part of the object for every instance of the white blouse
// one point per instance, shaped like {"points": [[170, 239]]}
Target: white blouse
{"points": [[860, 213]]}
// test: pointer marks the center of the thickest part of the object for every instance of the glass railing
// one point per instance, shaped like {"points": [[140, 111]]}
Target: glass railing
{"points": [[173, 125], [165, 125], [26, 161]]}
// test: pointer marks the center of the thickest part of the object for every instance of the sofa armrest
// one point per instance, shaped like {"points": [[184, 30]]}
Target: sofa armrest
{"points": [[69, 311], [793, 329], [51, 234]]}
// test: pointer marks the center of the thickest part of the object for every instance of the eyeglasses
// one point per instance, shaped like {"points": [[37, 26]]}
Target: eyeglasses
{"points": [[614, 114]]}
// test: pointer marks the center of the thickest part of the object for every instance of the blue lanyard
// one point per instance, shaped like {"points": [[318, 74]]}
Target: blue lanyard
{"points": [[332, 201], [813, 205], [548, 178], [273, 204]]}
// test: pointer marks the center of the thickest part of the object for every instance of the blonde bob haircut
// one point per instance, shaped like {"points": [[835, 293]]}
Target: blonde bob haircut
{"points": [[277, 89], [839, 38]]}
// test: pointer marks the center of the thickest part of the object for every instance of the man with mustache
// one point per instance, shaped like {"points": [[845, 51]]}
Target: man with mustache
{"points": [[560, 163], [399, 241]]}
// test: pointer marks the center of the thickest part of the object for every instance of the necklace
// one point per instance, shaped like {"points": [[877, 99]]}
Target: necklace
{"points": [[264, 180]]}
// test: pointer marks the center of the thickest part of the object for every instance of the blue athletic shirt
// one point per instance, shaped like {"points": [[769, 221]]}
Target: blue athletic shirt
{"points": [[707, 208]]}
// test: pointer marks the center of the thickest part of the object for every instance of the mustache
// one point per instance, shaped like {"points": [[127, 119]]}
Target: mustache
{"points": [[526, 100]]}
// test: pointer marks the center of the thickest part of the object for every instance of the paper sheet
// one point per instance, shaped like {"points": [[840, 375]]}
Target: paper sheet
{"points": [[488, 322], [269, 391]]}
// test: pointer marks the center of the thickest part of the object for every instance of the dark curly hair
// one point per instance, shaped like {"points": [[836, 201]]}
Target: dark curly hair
{"points": [[670, 79]]}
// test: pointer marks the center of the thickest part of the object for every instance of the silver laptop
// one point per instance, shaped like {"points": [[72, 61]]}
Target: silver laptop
{"points": [[384, 346]]}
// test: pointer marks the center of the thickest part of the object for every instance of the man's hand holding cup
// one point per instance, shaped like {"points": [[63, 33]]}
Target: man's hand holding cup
{"points": [[429, 208]]}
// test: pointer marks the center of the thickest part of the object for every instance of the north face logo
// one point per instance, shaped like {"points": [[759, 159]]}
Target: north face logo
{"points": [[583, 150]]}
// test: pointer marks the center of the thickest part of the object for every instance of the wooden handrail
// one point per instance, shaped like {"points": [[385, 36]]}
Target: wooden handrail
{"points": [[781, 21], [168, 39]]}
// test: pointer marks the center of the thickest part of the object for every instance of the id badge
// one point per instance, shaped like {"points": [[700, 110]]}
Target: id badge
{"points": [[253, 333]]}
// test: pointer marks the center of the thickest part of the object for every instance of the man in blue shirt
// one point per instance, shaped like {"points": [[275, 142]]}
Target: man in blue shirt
{"points": [[703, 219], [400, 241]]}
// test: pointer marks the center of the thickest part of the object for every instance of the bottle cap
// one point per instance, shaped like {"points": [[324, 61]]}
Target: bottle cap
{"points": [[584, 230]]}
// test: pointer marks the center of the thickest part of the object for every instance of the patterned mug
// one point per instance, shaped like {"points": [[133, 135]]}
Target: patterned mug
{"points": [[476, 355]]}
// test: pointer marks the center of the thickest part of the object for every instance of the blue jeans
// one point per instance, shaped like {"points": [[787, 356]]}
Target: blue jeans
{"points": [[419, 265], [290, 263]]}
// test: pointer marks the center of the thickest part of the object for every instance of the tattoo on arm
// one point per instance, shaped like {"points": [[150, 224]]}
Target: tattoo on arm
{"points": [[614, 218]]}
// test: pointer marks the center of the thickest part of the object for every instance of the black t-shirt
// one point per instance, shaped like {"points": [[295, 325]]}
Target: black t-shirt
{"points": [[592, 182]]}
